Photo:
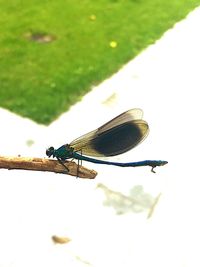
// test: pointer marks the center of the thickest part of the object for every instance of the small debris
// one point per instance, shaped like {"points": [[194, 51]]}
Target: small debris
{"points": [[60, 239]]}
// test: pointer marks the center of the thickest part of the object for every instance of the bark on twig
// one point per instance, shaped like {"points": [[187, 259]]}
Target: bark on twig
{"points": [[39, 164]]}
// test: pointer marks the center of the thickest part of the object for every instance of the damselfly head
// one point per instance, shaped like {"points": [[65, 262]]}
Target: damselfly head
{"points": [[50, 151]]}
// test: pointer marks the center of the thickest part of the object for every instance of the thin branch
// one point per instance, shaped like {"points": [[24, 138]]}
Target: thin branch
{"points": [[39, 164]]}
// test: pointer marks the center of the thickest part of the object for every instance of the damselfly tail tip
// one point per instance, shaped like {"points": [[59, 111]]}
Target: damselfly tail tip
{"points": [[155, 164]]}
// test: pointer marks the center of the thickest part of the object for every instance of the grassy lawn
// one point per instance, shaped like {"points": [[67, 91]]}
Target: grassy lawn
{"points": [[52, 52]]}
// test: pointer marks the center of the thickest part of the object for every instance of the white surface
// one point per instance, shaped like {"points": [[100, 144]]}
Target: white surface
{"points": [[164, 81]]}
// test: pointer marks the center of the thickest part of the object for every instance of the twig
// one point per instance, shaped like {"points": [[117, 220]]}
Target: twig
{"points": [[39, 164]]}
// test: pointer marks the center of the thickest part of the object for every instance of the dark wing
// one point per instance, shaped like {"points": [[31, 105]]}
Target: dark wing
{"points": [[115, 137]]}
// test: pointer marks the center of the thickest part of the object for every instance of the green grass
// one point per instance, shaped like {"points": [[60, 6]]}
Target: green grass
{"points": [[41, 80]]}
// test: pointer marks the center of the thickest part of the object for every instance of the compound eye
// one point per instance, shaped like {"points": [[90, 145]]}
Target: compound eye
{"points": [[50, 151]]}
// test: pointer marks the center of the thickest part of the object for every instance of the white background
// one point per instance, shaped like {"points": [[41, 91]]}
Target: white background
{"points": [[164, 81]]}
